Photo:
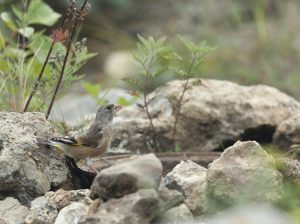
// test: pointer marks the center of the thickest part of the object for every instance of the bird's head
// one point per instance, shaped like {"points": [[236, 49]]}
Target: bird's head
{"points": [[107, 112]]}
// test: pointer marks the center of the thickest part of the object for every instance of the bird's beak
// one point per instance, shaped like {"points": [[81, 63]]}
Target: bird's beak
{"points": [[117, 108]]}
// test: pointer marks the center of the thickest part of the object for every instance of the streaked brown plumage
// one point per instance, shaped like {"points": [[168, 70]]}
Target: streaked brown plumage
{"points": [[94, 142]]}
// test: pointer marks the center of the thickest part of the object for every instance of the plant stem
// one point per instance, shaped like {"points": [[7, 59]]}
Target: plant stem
{"points": [[157, 146], [178, 107], [179, 102], [37, 82], [21, 77], [65, 59], [151, 123]]}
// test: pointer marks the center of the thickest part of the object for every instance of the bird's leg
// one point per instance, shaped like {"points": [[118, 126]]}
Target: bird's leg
{"points": [[89, 163]]}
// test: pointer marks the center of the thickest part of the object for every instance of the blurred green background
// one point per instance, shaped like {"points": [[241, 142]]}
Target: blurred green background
{"points": [[257, 41]]}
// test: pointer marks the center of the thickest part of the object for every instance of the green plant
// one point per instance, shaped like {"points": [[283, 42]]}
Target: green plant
{"points": [[185, 66], [153, 56], [24, 53], [93, 90], [158, 58]]}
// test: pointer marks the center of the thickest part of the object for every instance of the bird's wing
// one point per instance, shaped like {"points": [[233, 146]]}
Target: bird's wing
{"points": [[66, 140], [91, 138]]}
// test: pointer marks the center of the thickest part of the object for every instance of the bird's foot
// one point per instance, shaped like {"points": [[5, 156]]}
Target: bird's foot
{"points": [[92, 169], [89, 164]]}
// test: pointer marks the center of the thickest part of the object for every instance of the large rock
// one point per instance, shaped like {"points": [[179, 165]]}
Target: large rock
{"points": [[190, 179], [244, 172], [136, 208], [67, 109], [12, 212], [213, 115], [288, 133], [26, 172], [127, 176]]}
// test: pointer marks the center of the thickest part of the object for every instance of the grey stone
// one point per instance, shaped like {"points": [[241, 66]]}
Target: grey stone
{"points": [[244, 172], [2, 221], [135, 208], [46, 208], [62, 198], [250, 214], [12, 212], [26, 171], [127, 176], [41, 212], [190, 179], [212, 115], [76, 104], [290, 169], [288, 133], [72, 213], [169, 198], [178, 214]]}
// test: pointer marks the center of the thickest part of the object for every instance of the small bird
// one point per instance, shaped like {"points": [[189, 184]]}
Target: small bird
{"points": [[94, 142]]}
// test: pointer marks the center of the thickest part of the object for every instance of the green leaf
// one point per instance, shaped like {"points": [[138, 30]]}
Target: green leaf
{"points": [[101, 101], [177, 148], [2, 42], [124, 102], [40, 43], [131, 81], [7, 18], [92, 89], [33, 68], [17, 12], [41, 13], [27, 31]]}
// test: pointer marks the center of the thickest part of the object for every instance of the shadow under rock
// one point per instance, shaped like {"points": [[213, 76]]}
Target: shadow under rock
{"points": [[81, 179], [263, 134]]}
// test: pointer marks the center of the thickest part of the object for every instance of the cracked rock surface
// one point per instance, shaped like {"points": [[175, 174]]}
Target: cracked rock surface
{"points": [[25, 171], [213, 115]]}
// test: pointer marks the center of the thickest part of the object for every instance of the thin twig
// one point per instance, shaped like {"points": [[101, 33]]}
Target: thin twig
{"points": [[157, 146], [20, 96], [78, 16], [179, 102], [37, 82], [178, 107], [151, 124]]}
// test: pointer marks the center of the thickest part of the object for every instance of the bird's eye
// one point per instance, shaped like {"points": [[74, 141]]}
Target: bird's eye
{"points": [[109, 107]]}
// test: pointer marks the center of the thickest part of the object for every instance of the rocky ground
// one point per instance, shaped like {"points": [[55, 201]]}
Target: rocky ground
{"points": [[244, 185]]}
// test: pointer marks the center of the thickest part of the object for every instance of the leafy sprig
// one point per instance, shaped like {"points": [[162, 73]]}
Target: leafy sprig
{"points": [[157, 58], [24, 53], [153, 56], [185, 67]]}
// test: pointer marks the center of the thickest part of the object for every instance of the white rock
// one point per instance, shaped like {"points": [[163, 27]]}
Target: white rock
{"points": [[12, 212], [71, 214], [190, 179]]}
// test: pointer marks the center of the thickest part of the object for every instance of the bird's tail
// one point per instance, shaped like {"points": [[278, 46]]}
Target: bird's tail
{"points": [[45, 143], [45, 148]]}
